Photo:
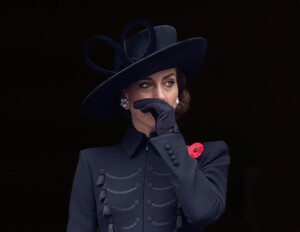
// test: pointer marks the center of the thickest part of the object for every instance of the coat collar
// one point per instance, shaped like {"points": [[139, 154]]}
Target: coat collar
{"points": [[132, 140]]}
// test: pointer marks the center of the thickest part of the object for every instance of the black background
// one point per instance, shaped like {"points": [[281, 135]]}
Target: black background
{"points": [[247, 94]]}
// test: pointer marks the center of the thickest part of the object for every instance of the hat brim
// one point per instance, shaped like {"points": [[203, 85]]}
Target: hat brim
{"points": [[104, 100]]}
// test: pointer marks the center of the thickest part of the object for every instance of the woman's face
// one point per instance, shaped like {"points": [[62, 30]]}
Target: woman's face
{"points": [[161, 85]]}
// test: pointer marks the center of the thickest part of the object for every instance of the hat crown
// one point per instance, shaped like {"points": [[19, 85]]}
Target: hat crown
{"points": [[136, 46]]}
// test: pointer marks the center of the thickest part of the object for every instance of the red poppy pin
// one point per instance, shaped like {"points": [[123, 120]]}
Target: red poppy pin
{"points": [[195, 150]]}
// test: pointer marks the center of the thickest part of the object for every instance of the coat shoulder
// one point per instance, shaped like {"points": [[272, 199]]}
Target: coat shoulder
{"points": [[215, 145], [215, 150]]}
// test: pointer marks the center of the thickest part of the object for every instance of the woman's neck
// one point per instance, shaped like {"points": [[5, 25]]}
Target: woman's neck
{"points": [[143, 129]]}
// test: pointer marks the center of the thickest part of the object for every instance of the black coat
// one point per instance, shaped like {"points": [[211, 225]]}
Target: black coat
{"points": [[148, 185]]}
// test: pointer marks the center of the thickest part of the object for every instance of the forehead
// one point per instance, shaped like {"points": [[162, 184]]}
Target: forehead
{"points": [[162, 74]]}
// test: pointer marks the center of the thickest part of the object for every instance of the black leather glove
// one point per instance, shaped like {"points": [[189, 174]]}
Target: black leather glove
{"points": [[163, 113]]}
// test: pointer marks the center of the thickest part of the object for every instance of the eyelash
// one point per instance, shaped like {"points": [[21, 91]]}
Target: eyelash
{"points": [[142, 85], [171, 82]]}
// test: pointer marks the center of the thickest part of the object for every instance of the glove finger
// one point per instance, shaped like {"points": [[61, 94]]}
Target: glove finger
{"points": [[157, 107], [152, 108], [143, 102]]}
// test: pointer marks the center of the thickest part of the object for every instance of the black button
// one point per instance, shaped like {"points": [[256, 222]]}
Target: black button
{"points": [[173, 157], [171, 152], [175, 162]]}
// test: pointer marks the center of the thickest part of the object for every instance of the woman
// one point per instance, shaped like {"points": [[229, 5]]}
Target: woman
{"points": [[150, 181]]}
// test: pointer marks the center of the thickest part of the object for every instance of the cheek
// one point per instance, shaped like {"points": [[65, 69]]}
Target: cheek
{"points": [[172, 100], [134, 96]]}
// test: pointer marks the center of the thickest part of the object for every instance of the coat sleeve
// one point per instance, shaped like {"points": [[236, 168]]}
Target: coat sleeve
{"points": [[200, 184], [82, 207]]}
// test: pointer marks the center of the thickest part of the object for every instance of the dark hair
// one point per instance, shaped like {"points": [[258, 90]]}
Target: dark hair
{"points": [[184, 95]]}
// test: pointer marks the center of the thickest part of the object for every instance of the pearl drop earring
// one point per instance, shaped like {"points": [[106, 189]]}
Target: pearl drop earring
{"points": [[177, 101]]}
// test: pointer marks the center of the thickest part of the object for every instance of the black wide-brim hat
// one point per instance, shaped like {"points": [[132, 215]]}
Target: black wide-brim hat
{"points": [[150, 50]]}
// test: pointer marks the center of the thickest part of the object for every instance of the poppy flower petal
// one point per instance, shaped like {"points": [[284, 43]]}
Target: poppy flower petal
{"points": [[195, 150]]}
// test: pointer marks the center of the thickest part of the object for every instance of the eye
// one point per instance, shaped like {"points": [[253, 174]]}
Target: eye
{"points": [[144, 84], [170, 83]]}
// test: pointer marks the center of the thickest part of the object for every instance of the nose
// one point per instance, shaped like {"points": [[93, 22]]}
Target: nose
{"points": [[159, 93]]}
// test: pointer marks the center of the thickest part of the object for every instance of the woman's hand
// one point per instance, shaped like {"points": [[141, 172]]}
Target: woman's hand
{"points": [[163, 113]]}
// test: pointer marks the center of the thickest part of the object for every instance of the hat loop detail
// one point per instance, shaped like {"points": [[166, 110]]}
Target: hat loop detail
{"points": [[123, 57], [152, 38]]}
